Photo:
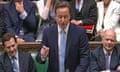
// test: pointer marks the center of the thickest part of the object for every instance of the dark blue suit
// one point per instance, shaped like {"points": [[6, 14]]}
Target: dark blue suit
{"points": [[14, 23], [2, 25], [26, 63], [98, 59], [77, 49]]}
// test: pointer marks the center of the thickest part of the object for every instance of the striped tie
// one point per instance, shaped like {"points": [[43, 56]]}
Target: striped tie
{"points": [[14, 64]]}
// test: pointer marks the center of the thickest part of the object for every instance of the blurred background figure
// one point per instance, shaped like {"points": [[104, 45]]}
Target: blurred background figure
{"points": [[46, 12], [84, 13], [20, 19], [108, 17]]}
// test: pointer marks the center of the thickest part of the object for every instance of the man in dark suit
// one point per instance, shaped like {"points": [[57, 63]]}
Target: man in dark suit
{"points": [[2, 25], [84, 12], [24, 60], [75, 56], [20, 19], [99, 56]]}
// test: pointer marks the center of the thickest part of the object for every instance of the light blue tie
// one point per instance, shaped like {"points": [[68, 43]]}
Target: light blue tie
{"points": [[78, 6], [14, 64], [62, 51]]}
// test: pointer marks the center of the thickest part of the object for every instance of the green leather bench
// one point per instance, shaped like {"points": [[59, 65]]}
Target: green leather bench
{"points": [[40, 67]]}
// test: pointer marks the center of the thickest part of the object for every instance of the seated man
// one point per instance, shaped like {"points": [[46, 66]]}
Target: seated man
{"points": [[20, 19], [84, 13], [14, 60], [107, 56]]}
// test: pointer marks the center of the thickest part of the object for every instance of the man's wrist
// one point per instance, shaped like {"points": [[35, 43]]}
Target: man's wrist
{"points": [[43, 58], [23, 15]]}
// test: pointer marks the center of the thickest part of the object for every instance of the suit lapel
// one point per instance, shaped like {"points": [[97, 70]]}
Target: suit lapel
{"points": [[8, 64], [56, 40], [73, 9], [102, 58], [114, 59], [83, 6], [101, 13], [26, 6], [110, 10], [21, 62], [69, 40], [13, 12], [53, 41]]}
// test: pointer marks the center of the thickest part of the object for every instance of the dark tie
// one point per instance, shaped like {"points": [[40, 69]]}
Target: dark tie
{"points": [[62, 51], [103, 22], [14, 64], [107, 61]]}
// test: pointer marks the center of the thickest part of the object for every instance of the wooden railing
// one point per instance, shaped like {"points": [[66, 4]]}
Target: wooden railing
{"points": [[27, 46], [34, 46]]}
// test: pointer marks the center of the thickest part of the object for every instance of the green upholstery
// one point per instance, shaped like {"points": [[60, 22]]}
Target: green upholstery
{"points": [[40, 67]]}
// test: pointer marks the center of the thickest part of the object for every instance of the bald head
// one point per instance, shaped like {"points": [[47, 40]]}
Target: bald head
{"points": [[110, 33], [109, 39]]}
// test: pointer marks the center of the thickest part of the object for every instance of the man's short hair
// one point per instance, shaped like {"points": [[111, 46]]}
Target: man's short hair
{"points": [[63, 4], [7, 37]]}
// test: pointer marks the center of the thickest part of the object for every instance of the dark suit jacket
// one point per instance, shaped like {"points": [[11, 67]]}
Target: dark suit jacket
{"points": [[98, 59], [14, 23], [88, 13], [2, 25], [77, 49], [26, 63]]}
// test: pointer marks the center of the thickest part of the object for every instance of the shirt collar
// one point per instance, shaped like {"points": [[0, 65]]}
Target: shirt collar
{"points": [[66, 29], [105, 52], [15, 55]]}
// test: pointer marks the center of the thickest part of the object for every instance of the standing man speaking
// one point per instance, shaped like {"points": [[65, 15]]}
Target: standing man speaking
{"points": [[64, 43]]}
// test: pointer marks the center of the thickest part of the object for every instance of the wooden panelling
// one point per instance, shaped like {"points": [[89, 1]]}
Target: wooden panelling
{"points": [[34, 46]]}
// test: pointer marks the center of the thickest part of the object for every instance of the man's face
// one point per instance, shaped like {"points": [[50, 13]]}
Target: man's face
{"points": [[62, 17], [109, 41], [10, 47]]}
